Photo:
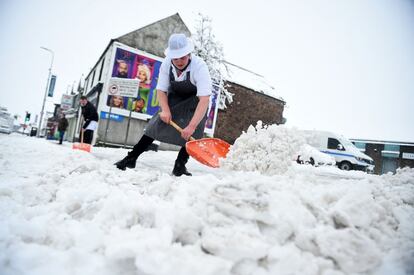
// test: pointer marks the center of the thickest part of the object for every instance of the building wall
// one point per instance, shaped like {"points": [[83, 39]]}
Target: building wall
{"points": [[71, 131], [154, 37], [374, 151], [117, 131], [387, 155], [246, 109]]}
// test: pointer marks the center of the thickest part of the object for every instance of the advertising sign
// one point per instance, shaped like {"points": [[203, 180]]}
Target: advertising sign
{"points": [[212, 110], [131, 69], [52, 86], [123, 87], [66, 102], [407, 155], [132, 87]]}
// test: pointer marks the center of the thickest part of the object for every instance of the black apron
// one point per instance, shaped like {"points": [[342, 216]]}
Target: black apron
{"points": [[183, 101]]}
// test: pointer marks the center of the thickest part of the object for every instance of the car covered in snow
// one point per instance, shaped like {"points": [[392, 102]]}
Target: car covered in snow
{"points": [[6, 122], [310, 155]]}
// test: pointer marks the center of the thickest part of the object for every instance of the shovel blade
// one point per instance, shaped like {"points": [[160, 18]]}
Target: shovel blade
{"points": [[82, 146], [208, 151]]}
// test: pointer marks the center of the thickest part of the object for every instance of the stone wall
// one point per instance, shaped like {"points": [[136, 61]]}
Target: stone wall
{"points": [[246, 109]]}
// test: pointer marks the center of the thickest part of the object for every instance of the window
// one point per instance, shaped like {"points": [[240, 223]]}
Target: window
{"points": [[100, 72], [392, 147], [360, 146], [333, 143], [391, 151], [93, 78]]}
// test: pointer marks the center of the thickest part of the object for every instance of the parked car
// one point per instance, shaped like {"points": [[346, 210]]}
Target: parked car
{"points": [[310, 155], [6, 126]]}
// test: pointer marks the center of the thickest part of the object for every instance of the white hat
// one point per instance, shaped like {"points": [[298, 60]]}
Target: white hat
{"points": [[178, 46]]}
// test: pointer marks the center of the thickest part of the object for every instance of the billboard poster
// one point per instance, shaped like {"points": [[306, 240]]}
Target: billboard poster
{"points": [[212, 110], [144, 70]]}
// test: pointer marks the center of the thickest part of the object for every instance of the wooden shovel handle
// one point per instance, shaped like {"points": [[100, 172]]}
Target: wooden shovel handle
{"points": [[81, 129], [81, 135], [178, 128]]}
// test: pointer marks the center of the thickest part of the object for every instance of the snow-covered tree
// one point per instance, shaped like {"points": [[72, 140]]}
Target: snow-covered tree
{"points": [[210, 50]]}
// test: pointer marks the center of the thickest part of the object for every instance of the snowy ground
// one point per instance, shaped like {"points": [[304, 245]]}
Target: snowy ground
{"points": [[70, 212]]}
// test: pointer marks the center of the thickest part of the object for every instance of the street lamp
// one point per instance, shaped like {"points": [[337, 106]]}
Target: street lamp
{"points": [[47, 86]]}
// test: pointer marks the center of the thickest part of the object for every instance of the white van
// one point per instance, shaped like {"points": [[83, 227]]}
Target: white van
{"points": [[346, 155]]}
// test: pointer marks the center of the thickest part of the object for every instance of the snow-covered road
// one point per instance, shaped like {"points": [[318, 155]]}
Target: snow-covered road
{"points": [[65, 211]]}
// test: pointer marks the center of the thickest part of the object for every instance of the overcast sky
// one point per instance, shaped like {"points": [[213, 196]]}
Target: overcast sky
{"points": [[341, 65]]}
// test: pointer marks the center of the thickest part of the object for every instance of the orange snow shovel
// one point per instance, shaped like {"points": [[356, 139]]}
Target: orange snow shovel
{"points": [[82, 146], [208, 151]]}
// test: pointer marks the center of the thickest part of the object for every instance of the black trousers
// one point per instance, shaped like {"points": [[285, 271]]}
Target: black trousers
{"points": [[88, 136], [61, 135], [146, 141]]}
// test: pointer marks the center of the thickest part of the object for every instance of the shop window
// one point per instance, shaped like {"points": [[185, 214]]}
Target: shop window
{"points": [[93, 78], [392, 147], [391, 151], [100, 72], [360, 146]]}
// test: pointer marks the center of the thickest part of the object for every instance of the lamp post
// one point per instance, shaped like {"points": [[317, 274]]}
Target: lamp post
{"points": [[47, 86]]}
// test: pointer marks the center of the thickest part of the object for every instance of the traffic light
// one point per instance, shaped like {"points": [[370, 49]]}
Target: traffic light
{"points": [[27, 117]]}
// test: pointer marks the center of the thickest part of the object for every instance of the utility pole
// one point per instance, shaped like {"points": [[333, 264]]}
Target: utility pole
{"points": [[47, 86]]}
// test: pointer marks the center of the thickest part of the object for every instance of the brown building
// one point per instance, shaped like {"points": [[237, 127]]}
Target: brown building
{"points": [[387, 155]]}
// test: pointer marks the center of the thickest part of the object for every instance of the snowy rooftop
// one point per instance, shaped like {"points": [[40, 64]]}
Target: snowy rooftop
{"points": [[249, 79]]}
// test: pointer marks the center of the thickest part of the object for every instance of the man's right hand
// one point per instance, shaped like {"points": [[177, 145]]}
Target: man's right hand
{"points": [[165, 116], [165, 113]]}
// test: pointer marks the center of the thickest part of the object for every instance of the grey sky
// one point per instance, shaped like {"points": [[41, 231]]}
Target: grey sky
{"points": [[345, 66]]}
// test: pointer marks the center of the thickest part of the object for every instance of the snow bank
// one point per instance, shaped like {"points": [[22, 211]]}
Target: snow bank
{"points": [[249, 79], [70, 212], [268, 149]]}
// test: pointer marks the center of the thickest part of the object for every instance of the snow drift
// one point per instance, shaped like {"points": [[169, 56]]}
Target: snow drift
{"points": [[70, 212]]}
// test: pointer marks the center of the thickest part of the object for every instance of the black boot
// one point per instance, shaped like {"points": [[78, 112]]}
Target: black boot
{"points": [[179, 169], [127, 162]]}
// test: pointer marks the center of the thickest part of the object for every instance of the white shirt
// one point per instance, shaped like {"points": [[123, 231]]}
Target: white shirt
{"points": [[92, 125], [199, 75]]}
